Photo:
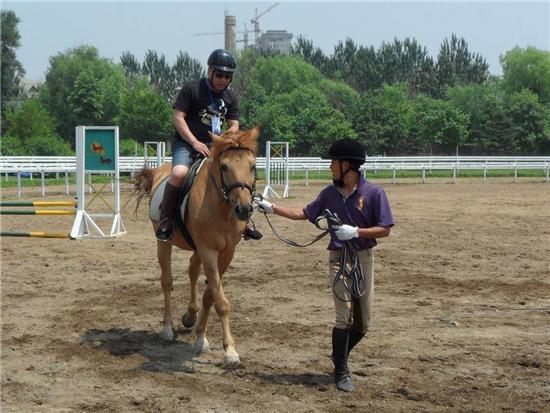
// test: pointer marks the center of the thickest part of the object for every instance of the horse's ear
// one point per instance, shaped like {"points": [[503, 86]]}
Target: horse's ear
{"points": [[215, 138], [255, 132]]}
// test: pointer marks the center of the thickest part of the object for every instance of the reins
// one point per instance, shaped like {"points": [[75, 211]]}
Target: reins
{"points": [[349, 271]]}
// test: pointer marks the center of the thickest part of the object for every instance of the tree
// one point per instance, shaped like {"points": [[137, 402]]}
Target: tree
{"points": [[456, 65], [293, 103], [440, 126], [341, 62], [528, 119], [71, 76], [186, 69], [246, 61], [144, 114], [31, 131], [304, 118], [132, 68], [382, 121], [313, 55], [492, 128], [283, 74], [11, 69], [366, 74], [160, 74], [527, 68]]}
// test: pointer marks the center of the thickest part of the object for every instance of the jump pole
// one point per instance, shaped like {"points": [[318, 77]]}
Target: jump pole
{"points": [[96, 153], [35, 234], [45, 204], [37, 203]]}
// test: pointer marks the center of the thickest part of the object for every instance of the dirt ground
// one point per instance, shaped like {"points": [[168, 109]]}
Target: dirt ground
{"points": [[461, 320]]}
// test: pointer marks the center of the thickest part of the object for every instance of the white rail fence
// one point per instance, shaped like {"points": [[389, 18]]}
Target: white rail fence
{"points": [[40, 166]]}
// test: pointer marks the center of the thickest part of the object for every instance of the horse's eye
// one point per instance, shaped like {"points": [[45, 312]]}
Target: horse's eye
{"points": [[224, 168], [253, 168]]}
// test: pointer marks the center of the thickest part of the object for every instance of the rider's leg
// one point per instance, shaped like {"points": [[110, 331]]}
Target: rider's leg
{"points": [[181, 161], [169, 203], [250, 231]]}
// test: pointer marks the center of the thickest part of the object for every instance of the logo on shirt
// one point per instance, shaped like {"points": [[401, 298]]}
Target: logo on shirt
{"points": [[361, 203], [218, 109]]}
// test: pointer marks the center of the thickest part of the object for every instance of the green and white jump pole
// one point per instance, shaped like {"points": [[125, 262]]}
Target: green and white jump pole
{"points": [[43, 204]]}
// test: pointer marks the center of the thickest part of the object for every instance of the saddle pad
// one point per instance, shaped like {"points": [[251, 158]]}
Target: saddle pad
{"points": [[156, 199]]}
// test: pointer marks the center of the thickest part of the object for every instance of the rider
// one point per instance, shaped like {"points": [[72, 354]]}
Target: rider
{"points": [[365, 213], [201, 106]]}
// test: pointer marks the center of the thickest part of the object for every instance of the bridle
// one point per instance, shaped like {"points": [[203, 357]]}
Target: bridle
{"points": [[224, 190]]}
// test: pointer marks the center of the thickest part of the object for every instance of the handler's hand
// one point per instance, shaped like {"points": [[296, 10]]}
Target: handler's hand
{"points": [[346, 232], [265, 206]]}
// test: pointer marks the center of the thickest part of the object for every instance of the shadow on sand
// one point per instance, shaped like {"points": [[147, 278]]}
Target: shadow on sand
{"points": [[162, 356]]}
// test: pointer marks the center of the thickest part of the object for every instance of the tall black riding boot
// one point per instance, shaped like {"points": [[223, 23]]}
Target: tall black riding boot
{"points": [[167, 209], [342, 376], [355, 337]]}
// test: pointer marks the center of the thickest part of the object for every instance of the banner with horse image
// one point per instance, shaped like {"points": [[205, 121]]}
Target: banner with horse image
{"points": [[100, 150]]}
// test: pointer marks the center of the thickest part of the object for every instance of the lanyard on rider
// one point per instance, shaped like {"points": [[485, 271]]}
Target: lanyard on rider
{"points": [[215, 120]]}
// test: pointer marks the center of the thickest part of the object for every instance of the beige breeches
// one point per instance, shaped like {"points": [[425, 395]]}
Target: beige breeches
{"points": [[354, 313]]}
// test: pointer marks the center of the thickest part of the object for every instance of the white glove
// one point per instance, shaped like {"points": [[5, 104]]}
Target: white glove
{"points": [[346, 232], [265, 206]]}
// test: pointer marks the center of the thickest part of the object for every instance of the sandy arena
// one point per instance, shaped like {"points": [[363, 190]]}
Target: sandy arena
{"points": [[461, 320]]}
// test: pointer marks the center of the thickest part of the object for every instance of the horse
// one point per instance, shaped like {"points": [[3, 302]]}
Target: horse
{"points": [[220, 201]]}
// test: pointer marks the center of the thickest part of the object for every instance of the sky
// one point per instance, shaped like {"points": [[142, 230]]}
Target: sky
{"points": [[490, 28]]}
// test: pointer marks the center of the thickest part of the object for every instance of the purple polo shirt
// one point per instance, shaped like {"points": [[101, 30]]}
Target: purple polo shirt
{"points": [[367, 206]]}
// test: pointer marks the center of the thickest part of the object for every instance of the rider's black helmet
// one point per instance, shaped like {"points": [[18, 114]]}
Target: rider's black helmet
{"points": [[222, 61], [347, 150]]}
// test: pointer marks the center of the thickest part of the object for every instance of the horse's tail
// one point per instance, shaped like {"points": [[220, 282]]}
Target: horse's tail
{"points": [[143, 184]]}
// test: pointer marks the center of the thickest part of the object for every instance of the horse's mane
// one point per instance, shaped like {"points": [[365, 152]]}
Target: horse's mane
{"points": [[241, 139]]}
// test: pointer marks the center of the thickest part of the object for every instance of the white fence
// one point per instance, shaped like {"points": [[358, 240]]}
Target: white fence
{"points": [[39, 166]]}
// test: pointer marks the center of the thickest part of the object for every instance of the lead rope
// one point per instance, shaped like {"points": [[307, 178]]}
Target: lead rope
{"points": [[349, 271]]}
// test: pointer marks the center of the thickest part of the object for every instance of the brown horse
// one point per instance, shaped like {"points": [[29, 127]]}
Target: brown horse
{"points": [[220, 202]]}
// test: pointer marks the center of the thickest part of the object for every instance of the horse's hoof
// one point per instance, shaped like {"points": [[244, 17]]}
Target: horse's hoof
{"points": [[231, 362], [167, 334], [202, 345], [188, 319]]}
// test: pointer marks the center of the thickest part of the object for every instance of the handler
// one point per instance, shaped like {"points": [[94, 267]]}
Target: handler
{"points": [[366, 215]]}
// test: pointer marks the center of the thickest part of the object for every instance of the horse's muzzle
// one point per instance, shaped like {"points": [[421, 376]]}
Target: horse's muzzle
{"points": [[243, 212]]}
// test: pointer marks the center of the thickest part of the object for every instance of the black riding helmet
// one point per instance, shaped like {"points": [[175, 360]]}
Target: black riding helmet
{"points": [[222, 61], [347, 150]]}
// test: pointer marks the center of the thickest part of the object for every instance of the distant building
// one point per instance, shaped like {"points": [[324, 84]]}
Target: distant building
{"points": [[276, 40], [28, 88]]}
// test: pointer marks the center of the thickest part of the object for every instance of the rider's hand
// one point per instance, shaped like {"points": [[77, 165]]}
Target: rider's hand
{"points": [[201, 148], [346, 232], [265, 206]]}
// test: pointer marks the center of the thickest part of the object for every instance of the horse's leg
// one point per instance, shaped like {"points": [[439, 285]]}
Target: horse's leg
{"points": [[202, 344], [209, 264], [190, 317], [223, 309], [214, 267], [164, 256]]}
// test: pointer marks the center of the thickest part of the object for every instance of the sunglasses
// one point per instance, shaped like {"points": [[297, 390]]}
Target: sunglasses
{"points": [[221, 75]]}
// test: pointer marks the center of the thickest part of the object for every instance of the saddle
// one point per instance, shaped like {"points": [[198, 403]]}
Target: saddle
{"points": [[178, 217]]}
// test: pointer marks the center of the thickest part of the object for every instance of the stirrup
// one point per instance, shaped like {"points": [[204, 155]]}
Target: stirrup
{"points": [[164, 231]]}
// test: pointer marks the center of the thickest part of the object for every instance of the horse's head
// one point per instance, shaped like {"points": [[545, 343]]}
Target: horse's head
{"points": [[234, 169]]}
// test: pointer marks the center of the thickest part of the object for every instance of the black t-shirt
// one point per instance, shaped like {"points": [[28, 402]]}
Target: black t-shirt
{"points": [[200, 104]]}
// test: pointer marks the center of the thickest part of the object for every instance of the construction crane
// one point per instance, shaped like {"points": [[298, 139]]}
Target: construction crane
{"points": [[244, 32], [256, 24]]}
